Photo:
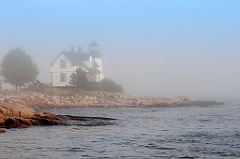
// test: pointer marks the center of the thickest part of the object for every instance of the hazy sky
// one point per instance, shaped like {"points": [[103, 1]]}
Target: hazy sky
{"points": [[152, 47]]}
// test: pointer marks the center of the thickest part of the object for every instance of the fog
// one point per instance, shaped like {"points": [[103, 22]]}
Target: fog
{"points": [[153, 48]]}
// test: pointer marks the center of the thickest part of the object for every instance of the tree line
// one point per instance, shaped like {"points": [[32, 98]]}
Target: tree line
{"points": [[18, 69]]}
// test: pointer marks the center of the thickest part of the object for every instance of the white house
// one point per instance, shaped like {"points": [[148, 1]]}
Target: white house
{"points": [[68, 61]]}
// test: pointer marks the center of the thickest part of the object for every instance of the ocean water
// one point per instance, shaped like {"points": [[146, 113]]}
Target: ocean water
{"points": [[138, 133]]}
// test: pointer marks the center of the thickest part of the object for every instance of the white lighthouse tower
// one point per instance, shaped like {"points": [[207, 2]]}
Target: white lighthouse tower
{"points": [[97, 59]]}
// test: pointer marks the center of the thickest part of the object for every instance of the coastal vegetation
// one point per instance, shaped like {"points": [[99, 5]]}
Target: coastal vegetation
{"points": [[80, 80], [18, 69]]}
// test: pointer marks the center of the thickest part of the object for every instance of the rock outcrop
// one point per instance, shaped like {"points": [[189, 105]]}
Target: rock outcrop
{"points": [[17, 111], [20, 116], [98, 99]]}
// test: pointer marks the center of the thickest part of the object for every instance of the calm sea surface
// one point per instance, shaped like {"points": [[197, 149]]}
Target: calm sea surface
{"points": [[138, 133]]}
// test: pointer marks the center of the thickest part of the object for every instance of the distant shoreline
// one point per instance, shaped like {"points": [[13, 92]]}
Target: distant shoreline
{"points": [[96, 99]]}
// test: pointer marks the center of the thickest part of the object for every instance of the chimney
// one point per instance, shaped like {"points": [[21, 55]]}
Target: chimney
{"points": [[79, 49], [72, 48]]}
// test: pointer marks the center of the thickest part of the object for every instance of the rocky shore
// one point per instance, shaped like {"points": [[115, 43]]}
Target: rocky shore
{"points": [[18, 111], [97, 99], [19, 116]]}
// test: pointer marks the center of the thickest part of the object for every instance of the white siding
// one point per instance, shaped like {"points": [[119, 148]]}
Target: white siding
{"points": [[63, 66], [100, 76], [56, 70]]}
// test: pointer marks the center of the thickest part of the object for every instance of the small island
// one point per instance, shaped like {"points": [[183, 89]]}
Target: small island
{"points": [[19, 110]]}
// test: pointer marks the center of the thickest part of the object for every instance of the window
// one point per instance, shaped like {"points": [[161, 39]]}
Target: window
{"points": [[63, 64], [63, 77]]}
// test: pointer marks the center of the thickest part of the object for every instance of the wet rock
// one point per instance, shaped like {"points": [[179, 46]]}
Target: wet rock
{"points": [[20, 116], [16, 110]]}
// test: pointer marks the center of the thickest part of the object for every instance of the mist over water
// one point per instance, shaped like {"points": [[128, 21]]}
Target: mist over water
{"points": [[153, 48]]}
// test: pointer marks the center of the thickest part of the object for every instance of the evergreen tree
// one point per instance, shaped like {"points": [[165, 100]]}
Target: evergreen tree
{"points": [[79, 79]]}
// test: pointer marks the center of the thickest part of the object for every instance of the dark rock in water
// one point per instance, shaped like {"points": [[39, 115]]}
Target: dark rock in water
{"points": [[83, 120], [19, 116], [51, 119]]}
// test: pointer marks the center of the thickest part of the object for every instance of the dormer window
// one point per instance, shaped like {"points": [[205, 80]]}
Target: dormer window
{"points": [[63, 64]]}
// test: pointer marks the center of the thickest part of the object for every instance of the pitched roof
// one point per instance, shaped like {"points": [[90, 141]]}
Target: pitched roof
{"points": [[92, 70], [76, 58], [95, 64]]}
